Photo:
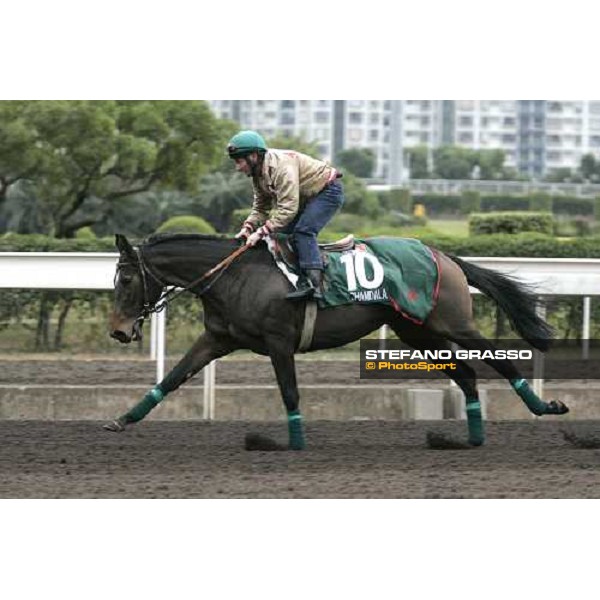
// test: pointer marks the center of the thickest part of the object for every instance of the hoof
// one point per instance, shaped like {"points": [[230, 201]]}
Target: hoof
{"points": [[581, 441], [257, 442], [475, 443], [556, 407], [117, 425], [439, 441]]}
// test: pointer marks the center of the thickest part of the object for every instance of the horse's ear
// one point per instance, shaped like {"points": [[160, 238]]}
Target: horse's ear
{"points": [[123, 245]]}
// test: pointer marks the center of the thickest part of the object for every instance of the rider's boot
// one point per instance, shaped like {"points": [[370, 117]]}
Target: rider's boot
{"points": [[304, 291], [316, 278]]}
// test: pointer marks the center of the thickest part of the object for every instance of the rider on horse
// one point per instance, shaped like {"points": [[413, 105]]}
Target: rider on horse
{"points": [[293, 193]]}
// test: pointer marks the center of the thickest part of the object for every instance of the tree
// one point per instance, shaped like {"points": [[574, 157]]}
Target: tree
{"points": [[75, 151], [141, 214], [491, 163], [358, 200], [221, 193], [359, 161], [418, 162], [20, 154], [454, 162], [589, 167]]}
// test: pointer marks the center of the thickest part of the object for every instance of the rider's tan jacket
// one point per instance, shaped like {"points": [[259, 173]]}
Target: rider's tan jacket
{"points": [[286, 181]]}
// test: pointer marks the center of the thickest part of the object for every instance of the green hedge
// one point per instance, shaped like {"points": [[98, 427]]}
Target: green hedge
{"points": [[439, 204], [510, 222], [14, 242], [520, 244], [186, 224]]}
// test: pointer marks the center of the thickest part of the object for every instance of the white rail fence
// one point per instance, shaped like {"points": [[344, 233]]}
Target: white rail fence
{"points": [[96, 271]]}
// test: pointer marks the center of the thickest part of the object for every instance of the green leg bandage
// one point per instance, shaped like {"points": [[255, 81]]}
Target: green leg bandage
{"points": [[296, 430], [148, 402], [534, 404], [475, 422]]}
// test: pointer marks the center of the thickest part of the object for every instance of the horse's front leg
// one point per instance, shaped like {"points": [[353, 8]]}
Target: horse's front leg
{"points": [[207, 348], [282, 359]]}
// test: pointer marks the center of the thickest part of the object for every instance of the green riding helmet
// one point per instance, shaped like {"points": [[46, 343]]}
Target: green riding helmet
{"points": [[244, 143]]}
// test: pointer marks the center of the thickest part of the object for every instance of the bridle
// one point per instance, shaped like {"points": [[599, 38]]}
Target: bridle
{"points": [[172, 292]]}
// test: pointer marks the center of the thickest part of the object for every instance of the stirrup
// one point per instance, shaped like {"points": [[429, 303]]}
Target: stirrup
{"points": [[304, 292]]}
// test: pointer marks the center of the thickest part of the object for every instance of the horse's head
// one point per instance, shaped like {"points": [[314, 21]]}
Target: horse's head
{"points": [[135, 292]]}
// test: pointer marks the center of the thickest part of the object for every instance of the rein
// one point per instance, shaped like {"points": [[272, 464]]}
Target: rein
{"points": [[174, 292]]}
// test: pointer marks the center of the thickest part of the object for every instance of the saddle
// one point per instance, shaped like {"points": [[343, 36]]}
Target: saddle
{"points": [[284, 251], [287, 260]]}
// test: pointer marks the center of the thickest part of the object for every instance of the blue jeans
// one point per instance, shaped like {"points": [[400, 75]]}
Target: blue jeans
{"points": [[305, 227]]}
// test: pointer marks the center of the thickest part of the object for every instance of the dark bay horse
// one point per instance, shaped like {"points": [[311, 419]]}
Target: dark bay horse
{"points": [[245, 308]]}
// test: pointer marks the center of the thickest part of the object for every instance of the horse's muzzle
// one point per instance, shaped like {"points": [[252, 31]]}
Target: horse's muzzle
{"points": [[125, 337], [120, 336]]}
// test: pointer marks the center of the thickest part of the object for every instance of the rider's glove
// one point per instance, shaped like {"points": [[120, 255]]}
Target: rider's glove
{"points": [[259, 234], [245, 231]]}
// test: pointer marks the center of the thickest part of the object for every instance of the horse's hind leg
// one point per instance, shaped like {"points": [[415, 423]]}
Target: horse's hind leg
{"points": [[471, 339], [452, 318], [463, 375]]}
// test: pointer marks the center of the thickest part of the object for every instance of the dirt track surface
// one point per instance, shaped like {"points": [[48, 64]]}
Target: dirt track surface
{"points": [[370, 459]]}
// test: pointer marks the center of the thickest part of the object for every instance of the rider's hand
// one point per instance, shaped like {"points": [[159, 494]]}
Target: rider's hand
{"points": [[245, 231], [258, 235]]}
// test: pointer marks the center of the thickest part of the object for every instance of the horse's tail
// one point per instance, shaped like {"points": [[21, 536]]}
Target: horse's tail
{"points": [[517, 300]]}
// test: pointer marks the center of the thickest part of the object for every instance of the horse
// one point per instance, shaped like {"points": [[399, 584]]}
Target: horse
{"points": [[245, 308]]}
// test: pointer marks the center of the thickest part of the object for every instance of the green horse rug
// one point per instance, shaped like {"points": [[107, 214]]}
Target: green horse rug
{"points": [[399, 272]]}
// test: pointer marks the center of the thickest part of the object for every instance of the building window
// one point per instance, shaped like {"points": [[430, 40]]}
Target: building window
{"points": [[553, 124], [355, 118], [373, 135], [465, 121], [595, 108], [287, 118], [355, 134], [287, 104], [466, 105], [321, 116]]}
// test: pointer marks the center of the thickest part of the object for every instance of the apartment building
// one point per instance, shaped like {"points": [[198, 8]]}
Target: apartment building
{"points": [[536, 136]]}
